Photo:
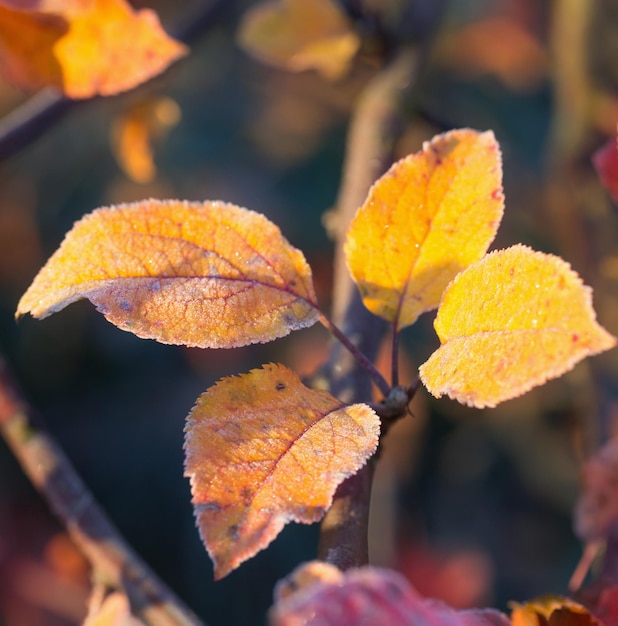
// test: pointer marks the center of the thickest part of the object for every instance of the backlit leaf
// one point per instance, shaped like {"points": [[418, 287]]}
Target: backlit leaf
{"points": [[84, 49], [509, 323], [262, 450], [430, 216], [299, 35], [364, 596], [199, 274]]}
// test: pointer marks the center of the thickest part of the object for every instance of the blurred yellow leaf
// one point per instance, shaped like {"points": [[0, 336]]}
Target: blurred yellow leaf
{"points": [[298, 35], [198, 274], [430, 216], [509, 323], [134, 131], [114, 611], [85, 49], [263, 450]]}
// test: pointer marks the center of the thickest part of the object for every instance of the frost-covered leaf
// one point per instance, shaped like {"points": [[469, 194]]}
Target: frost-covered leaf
{"points": [[508, 323], [199, 274], [263, 450]]}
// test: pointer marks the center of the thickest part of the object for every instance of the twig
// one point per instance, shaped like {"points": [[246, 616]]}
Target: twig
{"points": [[114, 564], [371, 140]]}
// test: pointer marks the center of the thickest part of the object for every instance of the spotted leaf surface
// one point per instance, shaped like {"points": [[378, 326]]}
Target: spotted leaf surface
{"points": [[509, 323], [198, 274], [263, 450]]}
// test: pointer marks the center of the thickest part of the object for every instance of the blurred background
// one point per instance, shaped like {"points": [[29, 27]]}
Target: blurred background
{"points": [[472, 506]]}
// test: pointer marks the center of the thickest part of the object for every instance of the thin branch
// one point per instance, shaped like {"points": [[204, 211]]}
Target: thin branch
{"points": [[360, 357], [372, 136], [113, 562]]}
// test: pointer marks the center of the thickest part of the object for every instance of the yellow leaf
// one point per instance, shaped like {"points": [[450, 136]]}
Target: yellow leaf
{"points": [[430, 216], [199, 274], [298, 35], [262, 450], [85, 49], [509, 323]]}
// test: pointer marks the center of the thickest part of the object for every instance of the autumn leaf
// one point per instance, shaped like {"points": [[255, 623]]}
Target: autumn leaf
{"points": [[552, 611], [262, 450], [367, 595], [298, 35], [101, 47], [509, 323], [430, 216], [198, 274], [605, 161]]}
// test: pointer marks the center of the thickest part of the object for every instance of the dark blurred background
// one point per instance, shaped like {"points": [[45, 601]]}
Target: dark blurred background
{"points": [[473, 506]]}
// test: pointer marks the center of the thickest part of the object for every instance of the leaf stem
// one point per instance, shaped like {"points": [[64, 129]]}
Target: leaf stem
{"points": [[362, 360], [113, 562], [395, 356]]}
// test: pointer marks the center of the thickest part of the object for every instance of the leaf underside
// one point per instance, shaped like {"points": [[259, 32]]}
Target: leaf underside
{"points": [[198, 274]]}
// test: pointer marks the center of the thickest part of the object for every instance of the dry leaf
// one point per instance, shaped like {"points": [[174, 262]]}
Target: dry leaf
{"points": [[198, 274], [430, 216], [84, 49], [262, 450], [367, 596], [508, 323], [298, 35]]}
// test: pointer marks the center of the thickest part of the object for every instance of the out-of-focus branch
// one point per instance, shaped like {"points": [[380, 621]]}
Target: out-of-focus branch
{"points": [[114, 564], [42, 111], [371, 141]]}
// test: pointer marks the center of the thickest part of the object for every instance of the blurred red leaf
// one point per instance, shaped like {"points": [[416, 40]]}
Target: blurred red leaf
{"points": [[597, 508], [366, 597], [605, 161]]}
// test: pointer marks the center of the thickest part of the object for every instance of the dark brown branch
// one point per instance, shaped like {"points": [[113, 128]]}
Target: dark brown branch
{"points": [[113, 562], [372, 136]]}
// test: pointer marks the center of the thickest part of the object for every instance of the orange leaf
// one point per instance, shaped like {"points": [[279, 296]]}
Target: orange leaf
{"points": [[133, 134], [298, 35], [84, 49], [207, 275], [509, 323], [262, 450], [430, 216], [552, 611]]}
